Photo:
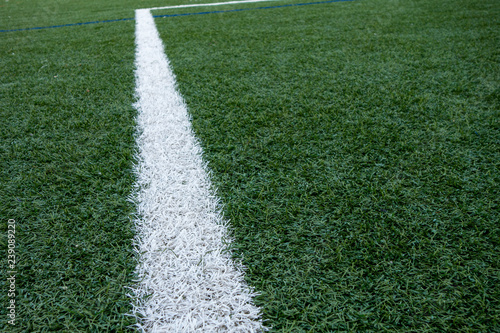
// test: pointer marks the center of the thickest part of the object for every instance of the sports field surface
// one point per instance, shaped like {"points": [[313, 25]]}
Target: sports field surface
{"points": [[353, 147]]}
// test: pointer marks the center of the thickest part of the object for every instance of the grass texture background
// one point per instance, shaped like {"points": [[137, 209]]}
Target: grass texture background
{"points": [[355, 147], [67, 145]]}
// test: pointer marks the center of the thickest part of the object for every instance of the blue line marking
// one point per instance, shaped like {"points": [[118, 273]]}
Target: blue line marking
{"points": [[175, 15], [68, 25]]}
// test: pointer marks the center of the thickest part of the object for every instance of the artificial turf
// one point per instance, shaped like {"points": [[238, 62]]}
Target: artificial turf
{"points": [[355, 147], [66, 147], [66, 159]]}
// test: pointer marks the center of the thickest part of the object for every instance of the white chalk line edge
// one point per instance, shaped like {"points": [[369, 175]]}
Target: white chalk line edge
{"points": [[210, 4], [188, 281]]}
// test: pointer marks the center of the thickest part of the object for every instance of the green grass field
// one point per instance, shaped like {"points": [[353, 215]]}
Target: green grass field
{"points": [[67, 145], [355, 146]]}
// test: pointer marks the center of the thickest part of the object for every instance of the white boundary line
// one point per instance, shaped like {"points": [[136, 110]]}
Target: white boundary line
{"points": [[188, 281], [210, 4]]}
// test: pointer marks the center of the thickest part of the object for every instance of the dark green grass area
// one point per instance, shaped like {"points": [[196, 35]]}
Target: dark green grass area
{"points": [[66, 147], [356, 149]]}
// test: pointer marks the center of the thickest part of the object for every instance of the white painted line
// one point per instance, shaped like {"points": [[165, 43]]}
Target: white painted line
{"points": [[210, 4], [188, 282]]}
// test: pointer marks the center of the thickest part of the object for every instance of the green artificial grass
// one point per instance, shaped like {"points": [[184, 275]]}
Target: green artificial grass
{"points": [[22, 14], [355, 148], [66, 147]]}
